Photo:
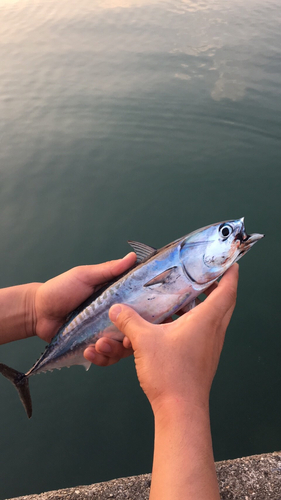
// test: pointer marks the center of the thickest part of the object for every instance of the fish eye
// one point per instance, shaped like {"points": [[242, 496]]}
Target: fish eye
{"points": [[225, 230]]}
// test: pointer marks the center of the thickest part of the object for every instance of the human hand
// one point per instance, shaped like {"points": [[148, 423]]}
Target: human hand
{"points": [[56, 298], [178, 360]]}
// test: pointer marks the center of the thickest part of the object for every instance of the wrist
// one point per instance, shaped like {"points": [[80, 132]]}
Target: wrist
{"points": [[17, 312], [30, 318], [169, 408]]}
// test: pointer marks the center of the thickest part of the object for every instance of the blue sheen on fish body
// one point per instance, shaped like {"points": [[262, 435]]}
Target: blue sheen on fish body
{"points": [[163, 282]]}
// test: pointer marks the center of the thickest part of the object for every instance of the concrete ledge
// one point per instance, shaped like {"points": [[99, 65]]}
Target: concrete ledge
{"points": [[250, 478]]}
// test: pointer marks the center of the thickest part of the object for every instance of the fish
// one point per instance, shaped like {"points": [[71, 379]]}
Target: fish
{"points": [[161, 283]]}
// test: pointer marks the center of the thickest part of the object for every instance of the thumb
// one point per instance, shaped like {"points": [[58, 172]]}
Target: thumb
{"points": [[221, 301], [127, 321]]}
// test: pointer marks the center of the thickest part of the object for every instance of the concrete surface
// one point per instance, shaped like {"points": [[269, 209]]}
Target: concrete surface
{"points": [[250, 478]]}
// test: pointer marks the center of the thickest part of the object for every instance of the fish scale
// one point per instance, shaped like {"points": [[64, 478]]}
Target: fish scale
{"points": [[161, 283]]}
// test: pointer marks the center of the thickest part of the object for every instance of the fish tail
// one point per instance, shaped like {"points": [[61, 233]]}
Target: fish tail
{"points": [[20, 381]]}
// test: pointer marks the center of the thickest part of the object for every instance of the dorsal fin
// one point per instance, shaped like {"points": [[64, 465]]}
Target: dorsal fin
{"points": [[142, 251]]}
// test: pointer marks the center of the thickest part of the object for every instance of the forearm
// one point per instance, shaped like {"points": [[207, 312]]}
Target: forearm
{"points": [[17, 312], [183, 463]]}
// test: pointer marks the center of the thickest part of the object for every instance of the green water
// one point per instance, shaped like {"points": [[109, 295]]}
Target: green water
{"points": [[144, 120]]}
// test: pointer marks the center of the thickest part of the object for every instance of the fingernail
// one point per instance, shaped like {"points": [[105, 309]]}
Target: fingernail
{"points": [[127, 343], [114, 312]]}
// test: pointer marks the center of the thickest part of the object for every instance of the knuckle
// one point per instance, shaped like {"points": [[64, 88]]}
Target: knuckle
{"points": [[79, 273]]}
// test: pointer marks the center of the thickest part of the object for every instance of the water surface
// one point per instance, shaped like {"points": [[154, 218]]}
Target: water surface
{"points": [[132, 119]]}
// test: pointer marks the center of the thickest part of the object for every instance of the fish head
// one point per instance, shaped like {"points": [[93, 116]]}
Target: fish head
{"points": [[207, 253]]}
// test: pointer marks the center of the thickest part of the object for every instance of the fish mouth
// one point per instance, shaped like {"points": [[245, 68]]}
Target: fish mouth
{"points": [[246, 240]]}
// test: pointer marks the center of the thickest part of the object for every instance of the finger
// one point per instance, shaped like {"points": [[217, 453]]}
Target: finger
{"points": [[66, 291], [219, 305], [97, 359], [101, 273], [113, 348], [127, 343], [221, 301], [211, 288], [113, 268], [105, 359], [127, 321]]}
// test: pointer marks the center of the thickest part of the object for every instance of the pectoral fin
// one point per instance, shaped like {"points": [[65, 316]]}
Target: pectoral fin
{"points": [[165, 277]]}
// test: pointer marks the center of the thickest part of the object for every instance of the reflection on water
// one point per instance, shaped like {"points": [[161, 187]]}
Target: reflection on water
{"points": [[132, 119]]}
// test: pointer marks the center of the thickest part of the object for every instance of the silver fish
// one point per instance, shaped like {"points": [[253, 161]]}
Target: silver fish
{"points": [[161, 283]]}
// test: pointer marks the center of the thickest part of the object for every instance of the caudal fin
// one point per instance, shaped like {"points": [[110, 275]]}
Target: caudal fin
{"points": [[20, 382]]}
